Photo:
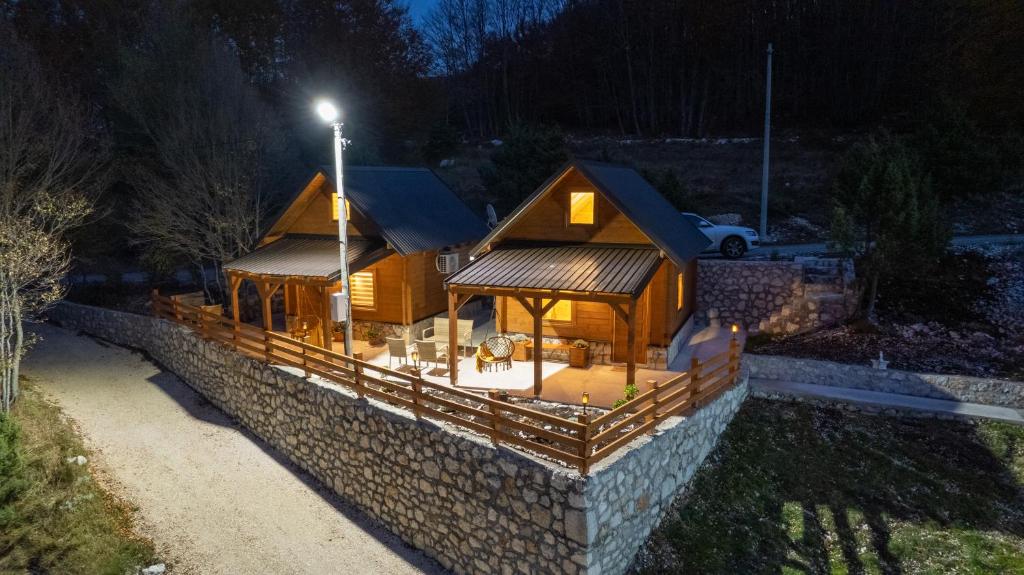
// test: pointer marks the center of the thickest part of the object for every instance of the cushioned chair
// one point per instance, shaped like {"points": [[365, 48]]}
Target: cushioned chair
{"points": [[431, 351], [495, 352], [397, 350]]}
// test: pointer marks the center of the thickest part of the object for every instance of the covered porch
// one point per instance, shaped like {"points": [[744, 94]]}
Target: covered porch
{"points": [[538, 278]]}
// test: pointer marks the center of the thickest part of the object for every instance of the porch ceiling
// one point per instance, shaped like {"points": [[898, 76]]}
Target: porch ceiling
{"points": [[606, 269]]}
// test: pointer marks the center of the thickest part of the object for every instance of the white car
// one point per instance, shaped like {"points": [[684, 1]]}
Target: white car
{"points": [[732, 241]]}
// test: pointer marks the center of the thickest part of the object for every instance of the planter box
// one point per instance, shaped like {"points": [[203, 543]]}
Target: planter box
{"points": [[521, 352], [579, 356]]}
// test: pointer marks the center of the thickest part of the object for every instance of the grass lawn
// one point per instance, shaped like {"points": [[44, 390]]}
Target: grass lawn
{"points": [[793, 488], [54, 517]]}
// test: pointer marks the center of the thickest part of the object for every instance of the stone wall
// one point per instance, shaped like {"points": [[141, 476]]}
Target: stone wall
{"points": [[628, 493], [937, 386], [473, 507], [775, 296]]}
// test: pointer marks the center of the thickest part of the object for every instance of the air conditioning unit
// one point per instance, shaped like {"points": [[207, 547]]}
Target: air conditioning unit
{"points": [[339, 307], [447, 262]]}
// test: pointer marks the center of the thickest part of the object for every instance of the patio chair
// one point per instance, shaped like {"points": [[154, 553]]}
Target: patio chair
{"points": [[397, 350], [439, 333], [430, 350], [495, 352]]}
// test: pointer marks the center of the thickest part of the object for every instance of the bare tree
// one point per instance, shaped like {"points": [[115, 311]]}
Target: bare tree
{"points": [[52, 159], [208, 140]]}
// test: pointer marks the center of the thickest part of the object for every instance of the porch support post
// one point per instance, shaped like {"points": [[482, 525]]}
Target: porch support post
{"points": [[326, 324], [234, 282], [538, 347], [453, 337], [631, 344], [267, 291]]}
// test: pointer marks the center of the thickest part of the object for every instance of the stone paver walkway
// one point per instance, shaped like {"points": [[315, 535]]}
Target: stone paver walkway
{"points": [[887, 400]]}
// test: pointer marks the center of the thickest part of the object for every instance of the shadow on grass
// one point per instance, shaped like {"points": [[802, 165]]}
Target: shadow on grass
{"points": [[798, 489]]}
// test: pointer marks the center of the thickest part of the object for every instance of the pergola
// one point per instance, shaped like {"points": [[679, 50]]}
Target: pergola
{"points": [[538, 277]]}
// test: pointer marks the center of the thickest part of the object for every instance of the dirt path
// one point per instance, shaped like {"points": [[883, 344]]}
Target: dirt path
{"points": [[213, 498]]}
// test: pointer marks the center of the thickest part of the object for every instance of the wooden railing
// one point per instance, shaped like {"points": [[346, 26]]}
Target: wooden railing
{"points": [[577, 443]]}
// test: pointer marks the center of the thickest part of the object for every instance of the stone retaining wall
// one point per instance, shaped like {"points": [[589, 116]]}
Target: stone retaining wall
{"points": [[775, 296], [473, 507], [938, 386]]}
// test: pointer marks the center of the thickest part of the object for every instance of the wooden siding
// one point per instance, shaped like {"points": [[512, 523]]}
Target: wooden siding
{"points": [[316, 218], [547, 220]]}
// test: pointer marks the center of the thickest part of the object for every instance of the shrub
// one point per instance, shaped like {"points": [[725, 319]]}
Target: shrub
{"points": [[12, 469], [528, 156]]}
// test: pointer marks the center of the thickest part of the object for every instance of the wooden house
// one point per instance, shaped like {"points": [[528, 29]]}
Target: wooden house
{"points": [[399, 220], [595, 253]]}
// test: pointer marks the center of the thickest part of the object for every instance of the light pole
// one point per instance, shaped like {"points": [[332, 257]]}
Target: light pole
{"points": [[767, 144], [329, 113]]}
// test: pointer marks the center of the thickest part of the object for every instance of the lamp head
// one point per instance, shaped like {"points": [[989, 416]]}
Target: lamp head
{"points": [[586, 398], [327, 111]]}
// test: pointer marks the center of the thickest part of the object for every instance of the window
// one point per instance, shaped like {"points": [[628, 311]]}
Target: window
{"points": [[334, 208], [581, 208], [561, 311], [679, 291], [363, 292]]}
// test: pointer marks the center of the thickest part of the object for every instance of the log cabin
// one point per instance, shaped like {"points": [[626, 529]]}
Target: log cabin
{"points": [[399, 220], [595, 253]]}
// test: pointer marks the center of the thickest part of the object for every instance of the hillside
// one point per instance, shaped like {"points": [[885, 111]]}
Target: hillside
{"points": [[723, 176]]}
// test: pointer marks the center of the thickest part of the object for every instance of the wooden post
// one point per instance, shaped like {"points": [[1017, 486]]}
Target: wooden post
{"points": [[235, 282], [304, 370], [326, 323], [417, 391], [584, 452], [734, 348], [538, 348], [358, 368], [495, 396], [154, 295], [453, 338], [631, 344], [653, 383]]}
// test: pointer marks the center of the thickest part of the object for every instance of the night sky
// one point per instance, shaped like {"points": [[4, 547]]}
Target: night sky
{"points": [[418, 9]]}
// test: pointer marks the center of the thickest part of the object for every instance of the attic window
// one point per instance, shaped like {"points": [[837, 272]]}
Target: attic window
{"points": [[334, 208], [581, 208], [679, 291]]}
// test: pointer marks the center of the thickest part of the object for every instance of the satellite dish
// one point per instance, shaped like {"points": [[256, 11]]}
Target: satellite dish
{"points": [[492, 217]]}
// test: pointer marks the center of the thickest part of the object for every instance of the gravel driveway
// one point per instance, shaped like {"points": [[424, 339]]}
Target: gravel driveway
{"points": [[212, 497]]}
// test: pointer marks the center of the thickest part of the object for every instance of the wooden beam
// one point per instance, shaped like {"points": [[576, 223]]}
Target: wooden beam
{"points": [[623, 314], [453, 337], [631, 344], [551, 303], [502, 314], [462, 300], [526, 305], [267, 291], [538, 348], [535, 293]]}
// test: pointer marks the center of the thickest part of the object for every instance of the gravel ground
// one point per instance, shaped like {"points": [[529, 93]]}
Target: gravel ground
{"points": [[213, 498]]}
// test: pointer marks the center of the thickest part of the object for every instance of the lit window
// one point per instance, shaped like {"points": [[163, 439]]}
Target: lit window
{"points": [[581, 208], [679, 291], [334, 208], [362, 286], [561, 311]]}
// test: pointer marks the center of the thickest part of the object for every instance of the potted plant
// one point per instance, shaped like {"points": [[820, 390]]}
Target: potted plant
{"points": [[579, 353], [375, 335], [520, 352], [338, 331]]}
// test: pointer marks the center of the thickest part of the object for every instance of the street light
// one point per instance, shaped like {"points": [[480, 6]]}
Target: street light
{"points": [[330, 114]]}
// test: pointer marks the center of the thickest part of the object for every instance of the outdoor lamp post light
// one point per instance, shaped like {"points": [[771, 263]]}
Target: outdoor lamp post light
{"points": [[735, 330], [415, 358], [330, 114], [586, 401]]}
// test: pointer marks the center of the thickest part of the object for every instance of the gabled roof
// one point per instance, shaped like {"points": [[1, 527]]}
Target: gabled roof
{"points": [[414, 210], [631, 195], [309, 256]]}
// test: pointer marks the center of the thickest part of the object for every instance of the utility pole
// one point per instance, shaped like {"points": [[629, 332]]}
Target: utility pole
{"points": [[767, 139]]}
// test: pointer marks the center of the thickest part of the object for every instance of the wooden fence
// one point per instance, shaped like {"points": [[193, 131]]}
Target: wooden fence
{"points": [[578, 443]]}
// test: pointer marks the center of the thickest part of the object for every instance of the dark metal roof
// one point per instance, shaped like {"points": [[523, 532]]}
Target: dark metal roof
{"points": [[583, 268], [413, 208], [636, 199], [312, 256]]}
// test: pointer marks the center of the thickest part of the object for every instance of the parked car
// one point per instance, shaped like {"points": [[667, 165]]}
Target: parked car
{"points": [[732, 241]]}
